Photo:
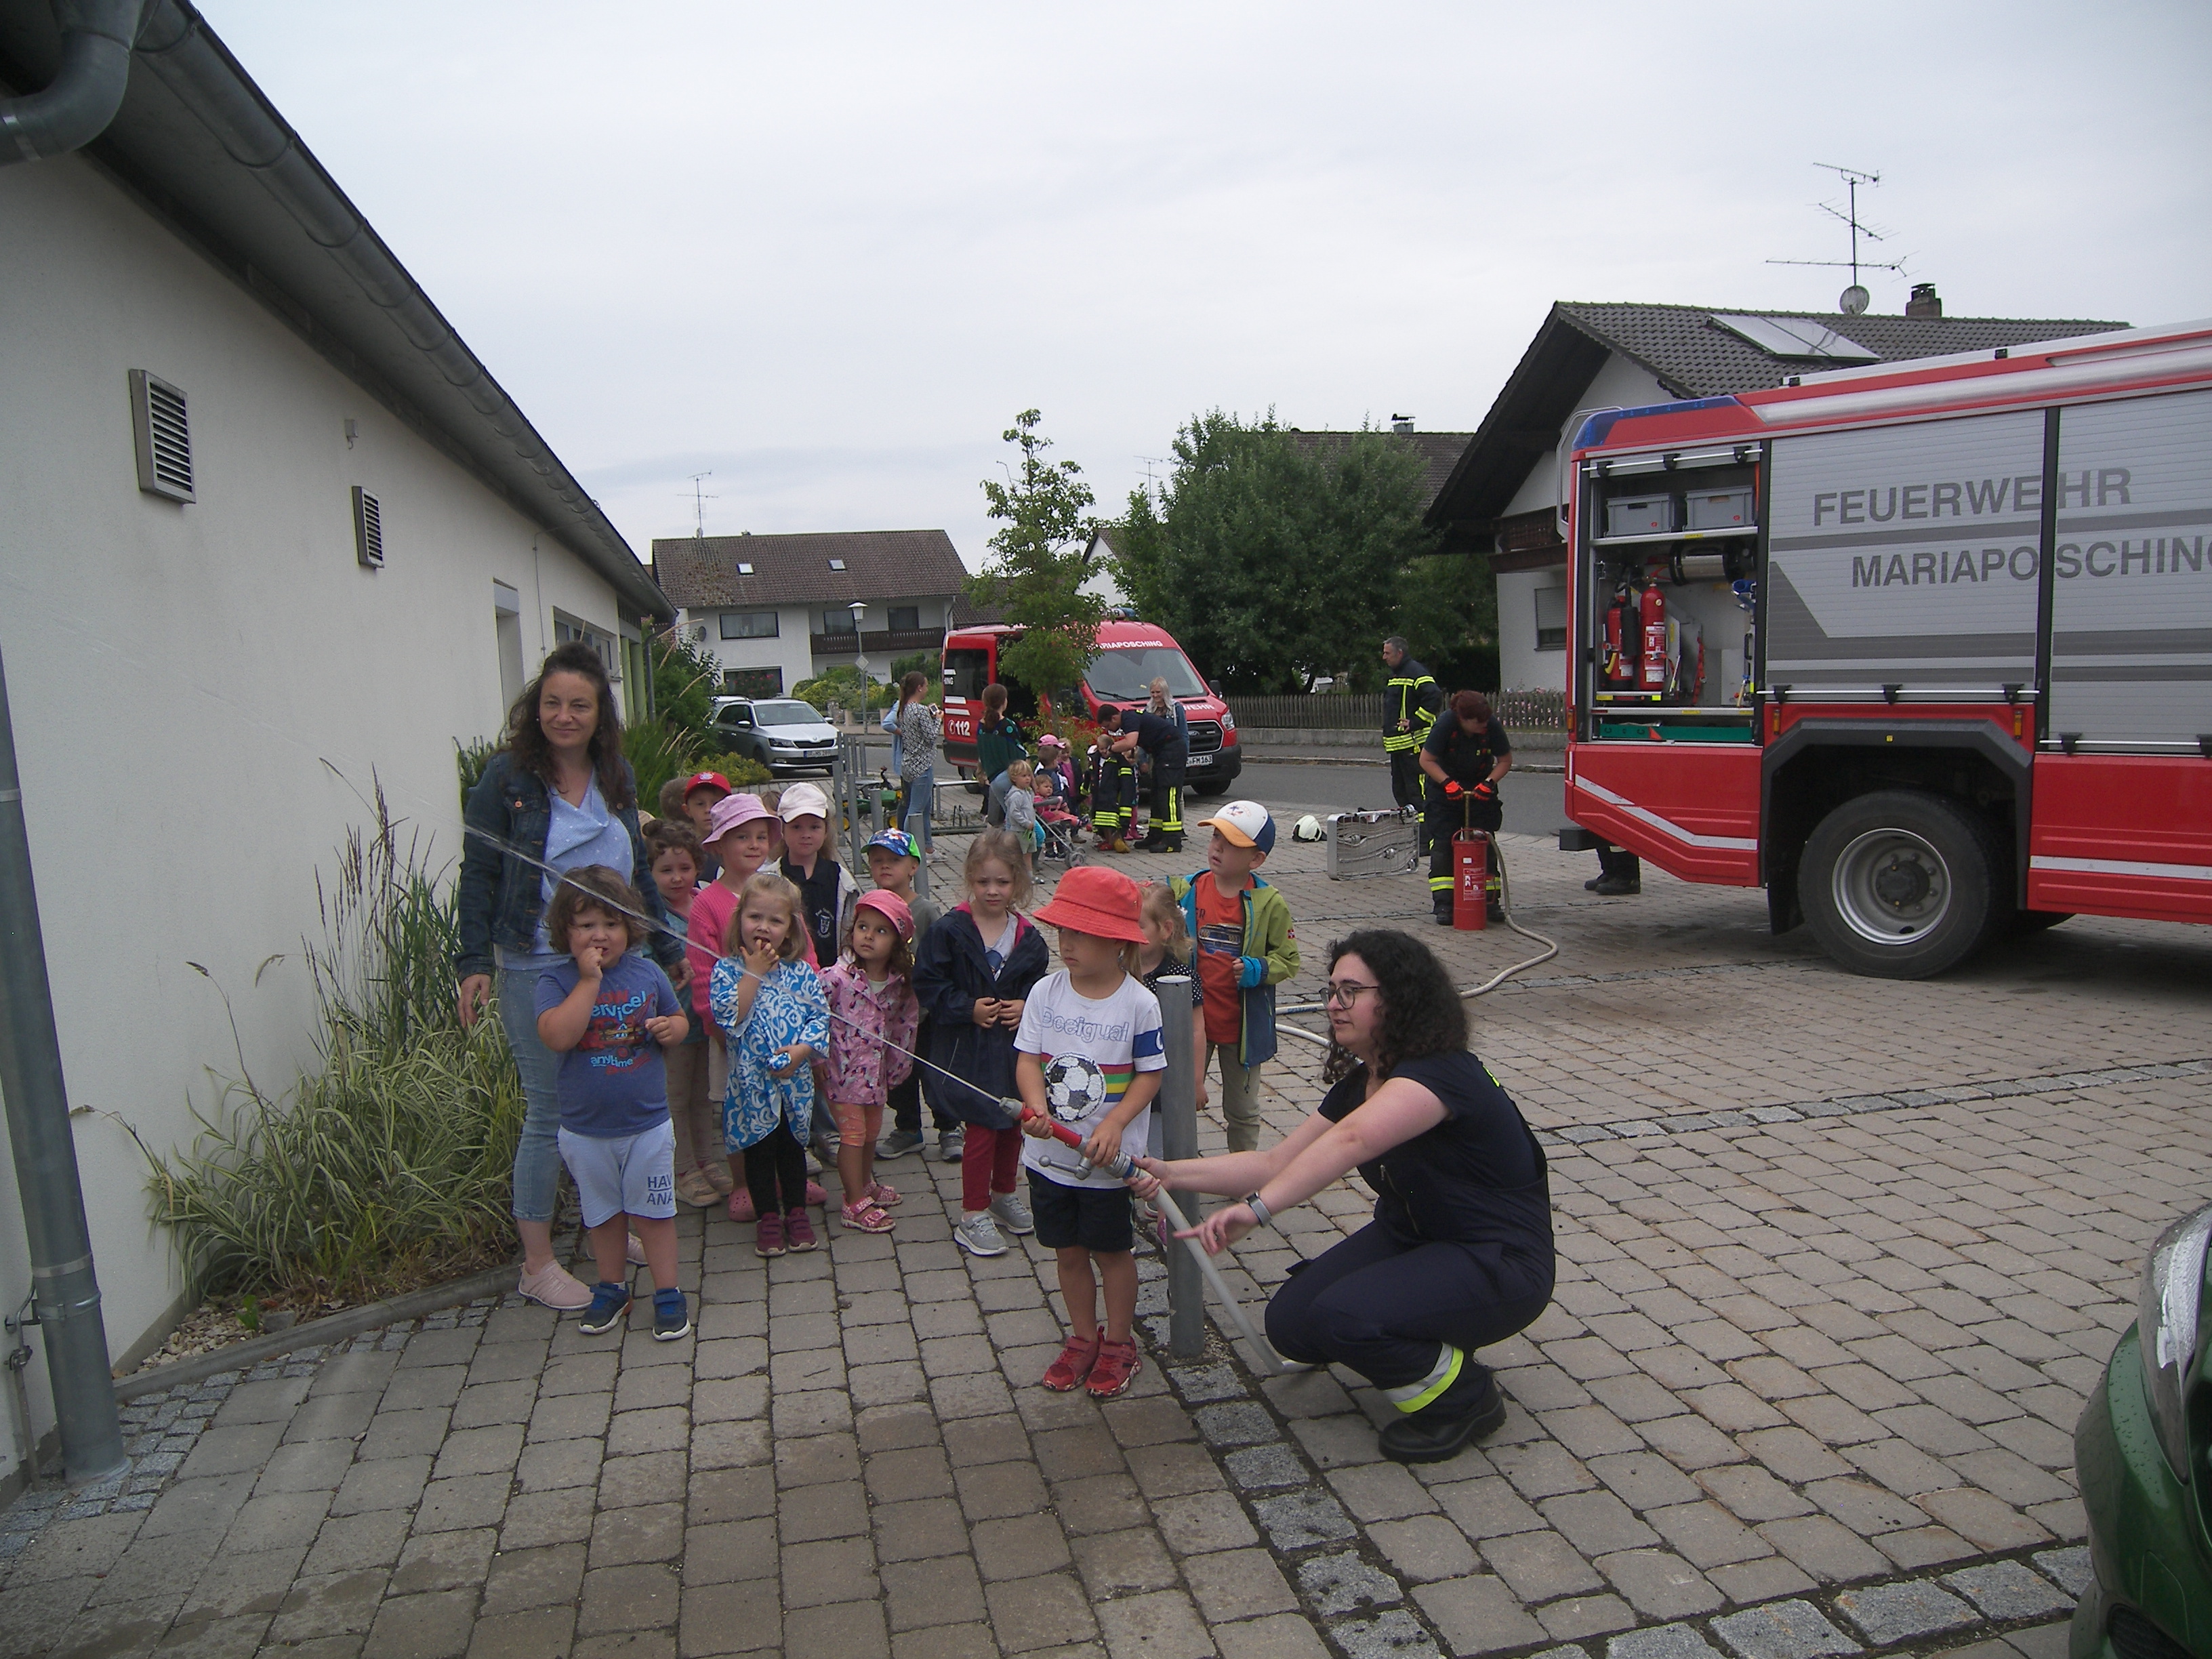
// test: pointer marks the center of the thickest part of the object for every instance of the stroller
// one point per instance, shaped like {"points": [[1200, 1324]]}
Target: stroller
{"points": [[1058, 828]]}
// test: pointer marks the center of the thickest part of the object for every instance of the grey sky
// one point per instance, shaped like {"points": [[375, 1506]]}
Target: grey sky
{"points": [[828, 252]]}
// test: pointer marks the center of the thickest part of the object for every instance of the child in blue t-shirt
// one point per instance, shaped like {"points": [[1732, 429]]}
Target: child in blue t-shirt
{"points": [[608, 1013]]}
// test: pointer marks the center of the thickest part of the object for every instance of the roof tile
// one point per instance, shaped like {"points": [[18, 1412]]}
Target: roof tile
{"points": [[697, 571]]}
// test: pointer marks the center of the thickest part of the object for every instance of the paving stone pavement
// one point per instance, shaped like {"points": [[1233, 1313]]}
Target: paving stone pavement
{"points": [[1837, 1267]]}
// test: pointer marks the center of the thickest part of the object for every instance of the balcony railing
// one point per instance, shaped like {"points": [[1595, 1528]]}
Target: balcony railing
{"points": [[884, 643]]}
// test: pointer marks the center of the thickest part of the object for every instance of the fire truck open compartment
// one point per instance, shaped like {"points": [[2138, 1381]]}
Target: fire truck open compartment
{"points": [[1924, 649], [1671, 542]]}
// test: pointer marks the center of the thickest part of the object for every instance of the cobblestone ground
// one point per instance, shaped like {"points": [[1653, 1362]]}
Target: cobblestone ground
{"points": [[1840, 1261]]}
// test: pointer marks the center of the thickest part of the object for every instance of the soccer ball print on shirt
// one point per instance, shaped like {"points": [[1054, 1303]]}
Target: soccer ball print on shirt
{"points": [[1075, 1087]]}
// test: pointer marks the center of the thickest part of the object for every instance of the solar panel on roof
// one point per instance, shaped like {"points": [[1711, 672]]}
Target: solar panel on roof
{"points": [[1795, 337]]}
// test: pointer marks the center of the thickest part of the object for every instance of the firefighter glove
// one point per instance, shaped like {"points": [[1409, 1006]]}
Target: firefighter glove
{"points": [[1485, 792], [1452, 791]]}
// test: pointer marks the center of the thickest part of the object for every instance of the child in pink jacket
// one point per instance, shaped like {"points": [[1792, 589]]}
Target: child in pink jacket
{"points": [[873, 1017]]}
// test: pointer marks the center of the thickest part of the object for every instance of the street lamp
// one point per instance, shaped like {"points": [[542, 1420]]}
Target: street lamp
{"points": [[861, 659]]}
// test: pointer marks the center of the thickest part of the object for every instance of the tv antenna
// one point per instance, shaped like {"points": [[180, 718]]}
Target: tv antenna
{"points": [[1149, 462], [1854, 299], [699, 499]]}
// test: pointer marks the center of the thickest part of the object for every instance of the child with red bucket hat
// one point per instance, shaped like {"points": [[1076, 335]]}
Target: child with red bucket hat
{"points": [[1090, 1058]]}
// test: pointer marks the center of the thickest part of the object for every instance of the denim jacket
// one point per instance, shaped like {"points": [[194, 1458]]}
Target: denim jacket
{"points": [[503, 896]]}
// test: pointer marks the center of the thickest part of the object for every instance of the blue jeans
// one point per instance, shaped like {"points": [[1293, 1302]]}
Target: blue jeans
{"points": [[537, 1154], [920, 792]]}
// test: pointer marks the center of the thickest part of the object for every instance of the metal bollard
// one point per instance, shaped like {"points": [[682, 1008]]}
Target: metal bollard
{"points": [[1176, 1113]]}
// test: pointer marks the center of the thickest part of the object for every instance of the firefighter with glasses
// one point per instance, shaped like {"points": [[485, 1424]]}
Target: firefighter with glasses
{"points": [[1412, 701], [1467, 754]]}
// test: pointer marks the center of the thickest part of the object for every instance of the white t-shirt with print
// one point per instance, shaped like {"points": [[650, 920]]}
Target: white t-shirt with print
{"points": [[1091, 1049]]}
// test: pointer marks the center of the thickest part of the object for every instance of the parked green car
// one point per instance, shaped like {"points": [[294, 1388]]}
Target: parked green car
{"points": [[2144, 1448]]}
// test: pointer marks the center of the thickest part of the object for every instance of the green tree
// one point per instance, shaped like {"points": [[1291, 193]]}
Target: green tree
{"points": [[685, 680], [1448, 611], [1037, 571], [1273, 558]]}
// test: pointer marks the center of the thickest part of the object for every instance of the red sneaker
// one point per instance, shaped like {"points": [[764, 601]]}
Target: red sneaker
{"points": [[798, 1232], [1066, 1373], [768, 1235], [1117, 1368]]}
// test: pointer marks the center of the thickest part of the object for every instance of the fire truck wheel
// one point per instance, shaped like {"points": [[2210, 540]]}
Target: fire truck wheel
{"points": [[1902, 884]]}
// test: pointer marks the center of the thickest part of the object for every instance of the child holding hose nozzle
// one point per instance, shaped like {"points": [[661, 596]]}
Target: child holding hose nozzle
{"points": [[1090, 1059]]}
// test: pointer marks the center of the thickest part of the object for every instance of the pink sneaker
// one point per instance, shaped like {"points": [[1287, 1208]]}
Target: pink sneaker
{"points": [[798, 1232], [555, 1287]]}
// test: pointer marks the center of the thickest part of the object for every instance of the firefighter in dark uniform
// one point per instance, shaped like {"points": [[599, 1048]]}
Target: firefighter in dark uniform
{"points": [[1467, 753], [1161, 737], [1411, 703]]}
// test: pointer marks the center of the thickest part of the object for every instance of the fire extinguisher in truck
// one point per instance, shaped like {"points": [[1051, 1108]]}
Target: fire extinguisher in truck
{"points": [[1652, 671], [1620, 640]]}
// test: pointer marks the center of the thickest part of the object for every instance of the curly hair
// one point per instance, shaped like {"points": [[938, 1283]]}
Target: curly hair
{"points": [[1422, 1014], [593, 887], [663, 834], [526, 739]]}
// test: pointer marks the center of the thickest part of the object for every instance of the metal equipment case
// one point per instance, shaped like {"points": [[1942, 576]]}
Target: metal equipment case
{"points": [[1385, 843]]}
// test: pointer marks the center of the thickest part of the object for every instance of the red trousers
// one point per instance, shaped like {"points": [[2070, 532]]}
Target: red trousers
{"points": [[988, 1160]]}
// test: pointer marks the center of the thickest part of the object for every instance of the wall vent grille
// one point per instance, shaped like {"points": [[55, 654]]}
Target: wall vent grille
{"points": [[162, 430], [368, 529]]}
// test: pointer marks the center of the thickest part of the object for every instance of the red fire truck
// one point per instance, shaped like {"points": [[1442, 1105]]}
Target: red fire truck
{"points": [[1924, 649], [1131, 655]]}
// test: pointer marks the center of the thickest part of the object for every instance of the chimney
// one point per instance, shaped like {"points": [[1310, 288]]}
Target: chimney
{"points": [[1923, 303], [1401, 424]]}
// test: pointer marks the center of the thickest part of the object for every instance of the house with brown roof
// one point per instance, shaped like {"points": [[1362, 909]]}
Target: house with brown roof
{"points": [[1504, 494], [774, 610]]}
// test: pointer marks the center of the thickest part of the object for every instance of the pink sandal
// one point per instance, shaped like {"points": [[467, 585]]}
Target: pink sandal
{"points": [[885, 1194], [866, 1217]]}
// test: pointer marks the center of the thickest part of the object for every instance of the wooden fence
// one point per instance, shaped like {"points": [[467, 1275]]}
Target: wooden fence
{"points": [[1522, 711]]}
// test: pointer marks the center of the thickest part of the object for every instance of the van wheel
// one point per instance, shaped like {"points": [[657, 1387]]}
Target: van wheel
{"points": [[1901, 883]]}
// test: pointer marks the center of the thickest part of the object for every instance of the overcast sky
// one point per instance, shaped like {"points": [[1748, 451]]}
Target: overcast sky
{"points": [[828, 252]]}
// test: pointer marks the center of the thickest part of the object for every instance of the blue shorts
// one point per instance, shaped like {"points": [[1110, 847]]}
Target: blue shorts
{"points": [[625, 1175]]}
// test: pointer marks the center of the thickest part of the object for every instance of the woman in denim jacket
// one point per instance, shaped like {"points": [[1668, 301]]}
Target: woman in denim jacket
{"points": [[562, 795]]}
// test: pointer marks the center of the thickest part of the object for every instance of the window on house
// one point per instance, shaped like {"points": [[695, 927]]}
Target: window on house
{"points": [[162, 433], [752, 682], [1550, 619], [838, 622], [748, 625], [905, 619], [566, 628], [506, 622], [836, 564]]}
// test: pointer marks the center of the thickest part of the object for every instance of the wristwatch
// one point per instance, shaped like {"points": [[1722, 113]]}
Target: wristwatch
{"points": [[1258, 1206]]}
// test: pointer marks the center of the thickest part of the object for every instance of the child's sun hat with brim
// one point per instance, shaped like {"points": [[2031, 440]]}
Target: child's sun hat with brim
{"points": [[733, 812], [1101, 903]]}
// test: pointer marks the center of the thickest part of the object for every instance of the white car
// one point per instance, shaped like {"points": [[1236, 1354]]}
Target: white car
{"points": [[781, 734]]}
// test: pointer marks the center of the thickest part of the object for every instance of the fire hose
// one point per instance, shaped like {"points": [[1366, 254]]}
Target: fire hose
{"points": [[1466, 993]]}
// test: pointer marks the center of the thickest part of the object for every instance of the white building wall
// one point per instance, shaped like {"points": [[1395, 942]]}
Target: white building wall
{"points": [[1618, 385], [791, 649], [205, 695]]}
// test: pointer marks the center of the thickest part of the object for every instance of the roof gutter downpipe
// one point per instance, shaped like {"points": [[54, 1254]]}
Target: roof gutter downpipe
{"points": [[64, 1293], [87, 89]]}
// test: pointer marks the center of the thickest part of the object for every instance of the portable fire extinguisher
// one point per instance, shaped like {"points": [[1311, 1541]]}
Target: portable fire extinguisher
{"points": [[1653, 610], [1619, 641]]}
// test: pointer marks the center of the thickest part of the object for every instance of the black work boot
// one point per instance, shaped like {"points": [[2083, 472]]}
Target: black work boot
{"points": [[1616, 887], [1471, 1408], [1443, 909]]}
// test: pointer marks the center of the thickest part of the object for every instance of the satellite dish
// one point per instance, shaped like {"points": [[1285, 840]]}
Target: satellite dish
{"points": [[1854, 300]]}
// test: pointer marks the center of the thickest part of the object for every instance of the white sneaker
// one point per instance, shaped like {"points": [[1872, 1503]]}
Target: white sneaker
{"points": [[950, 1143], [555, 1287], [1012, 1212], [978, 1235]]}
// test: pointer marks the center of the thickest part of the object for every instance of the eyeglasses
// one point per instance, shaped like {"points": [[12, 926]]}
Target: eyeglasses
{"points": [[1343, 993]]}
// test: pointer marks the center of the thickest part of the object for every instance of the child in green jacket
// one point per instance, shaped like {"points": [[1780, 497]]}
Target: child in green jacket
{"points": [[1247, 946]]}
